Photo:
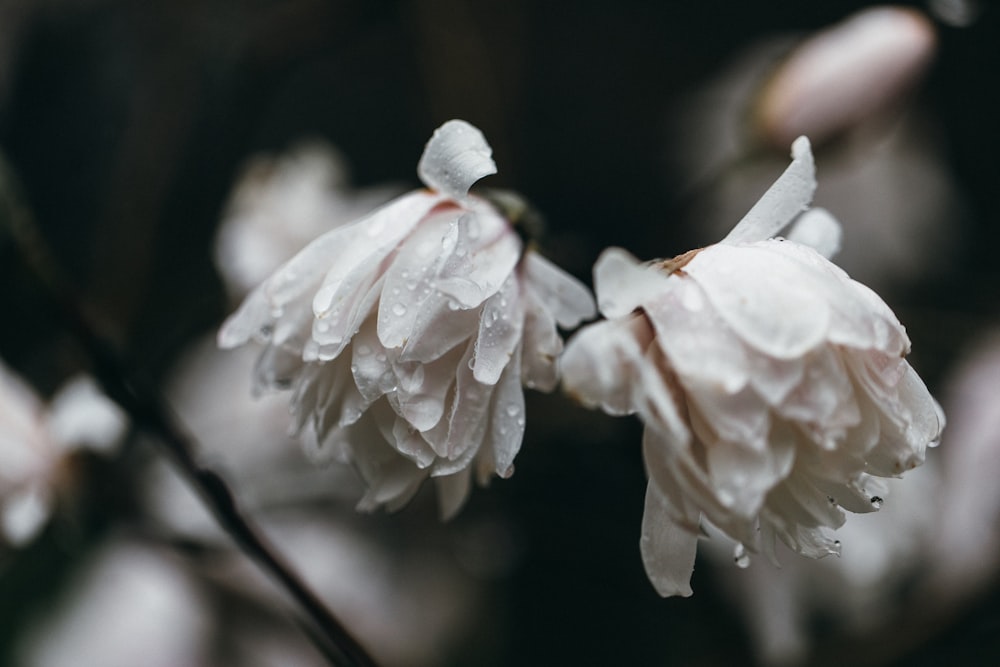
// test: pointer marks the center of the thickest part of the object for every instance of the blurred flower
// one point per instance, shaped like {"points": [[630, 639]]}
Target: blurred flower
{"points": [[34, 441], [773, 388], [845, 74], [850, 88], [130, 605], [281, 204], [406, 335]]}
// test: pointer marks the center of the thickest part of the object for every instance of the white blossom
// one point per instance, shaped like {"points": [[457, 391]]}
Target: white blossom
{"points": [[773, 388], [406, 335], [34, 441]]}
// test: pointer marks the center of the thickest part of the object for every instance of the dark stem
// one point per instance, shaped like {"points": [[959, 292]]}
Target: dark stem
{"points": [[148, 411]]}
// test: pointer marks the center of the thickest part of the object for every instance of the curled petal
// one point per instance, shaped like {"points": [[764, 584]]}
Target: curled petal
{"points": [[456, 156]]}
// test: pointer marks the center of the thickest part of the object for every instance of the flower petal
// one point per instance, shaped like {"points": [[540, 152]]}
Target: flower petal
{"points": [[569, 301], [456, 156], [500, 328], [790, 195], [819, 230], [668, 550]]}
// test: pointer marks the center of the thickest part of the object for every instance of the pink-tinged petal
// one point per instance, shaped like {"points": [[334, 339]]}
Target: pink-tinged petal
{"points": [[819, 230], [569, 300], [841, 76], [668, 550], [456, 156], [500, 328], [507, 419], [790, 195], [764, 296], [623, 284]]}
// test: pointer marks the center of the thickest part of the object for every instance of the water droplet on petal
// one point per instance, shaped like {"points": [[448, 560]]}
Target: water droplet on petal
{"points": [[877, 502], [399, 310], [741, 557], [512, 409], [364, 350]]}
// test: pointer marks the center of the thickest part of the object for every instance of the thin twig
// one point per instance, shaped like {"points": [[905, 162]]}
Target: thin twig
{"points": [[149, 412]]}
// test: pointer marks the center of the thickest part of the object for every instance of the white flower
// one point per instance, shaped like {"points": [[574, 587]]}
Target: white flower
{"points": [[34, 440], [407, 335], [773, 388]]}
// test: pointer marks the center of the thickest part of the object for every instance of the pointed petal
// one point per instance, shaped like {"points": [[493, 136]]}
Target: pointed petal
{"points": [[790, 195], [500, 328]]}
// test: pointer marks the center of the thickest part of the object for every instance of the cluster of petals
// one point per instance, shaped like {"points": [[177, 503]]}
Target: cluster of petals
{"points": [[773, 388], [406, 336]]}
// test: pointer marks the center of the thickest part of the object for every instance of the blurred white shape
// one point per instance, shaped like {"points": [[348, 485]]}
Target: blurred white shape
{"points": [[965, 553], [81, 416], [129, 606], [884, 175], [34, 441], [282, 203], [845, 74]]}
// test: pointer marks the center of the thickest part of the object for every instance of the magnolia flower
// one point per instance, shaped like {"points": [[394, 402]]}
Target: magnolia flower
{"points": [[406, 335], [773, 388]]}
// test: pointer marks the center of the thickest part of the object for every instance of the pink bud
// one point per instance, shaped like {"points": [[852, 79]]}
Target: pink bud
{"points": [[845, 74]]}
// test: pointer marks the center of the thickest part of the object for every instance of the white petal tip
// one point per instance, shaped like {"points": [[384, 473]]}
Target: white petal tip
{"points": [[456, 156]]}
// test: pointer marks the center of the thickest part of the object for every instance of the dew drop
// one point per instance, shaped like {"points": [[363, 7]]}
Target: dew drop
{"points": [[380, 357], [395, 291], [411, 285], [512, 409], [877, 502], [741, 557], [322, 326], [364, 350], [453, 305], [399, 310]]}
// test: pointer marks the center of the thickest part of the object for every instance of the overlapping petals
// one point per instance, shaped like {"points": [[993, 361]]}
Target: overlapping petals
{"points": [[774, 388], [406, 336]]}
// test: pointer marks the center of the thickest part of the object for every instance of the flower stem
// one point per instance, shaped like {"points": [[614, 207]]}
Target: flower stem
{"points": [[149, 412]]}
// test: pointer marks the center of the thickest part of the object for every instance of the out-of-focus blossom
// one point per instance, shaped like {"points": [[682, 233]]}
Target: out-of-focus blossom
{"points": [[884, 172], [773, 388], [34, 440], [845, 74], [129, 606], [968, 537], [281, 204], [406, 336]]}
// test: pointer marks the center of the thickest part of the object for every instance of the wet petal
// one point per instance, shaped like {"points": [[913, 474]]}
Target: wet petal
{"points": [[569, 301], [456, 156]]}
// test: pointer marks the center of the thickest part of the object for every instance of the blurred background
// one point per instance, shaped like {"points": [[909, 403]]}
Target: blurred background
{"points": [[151, 139]]}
